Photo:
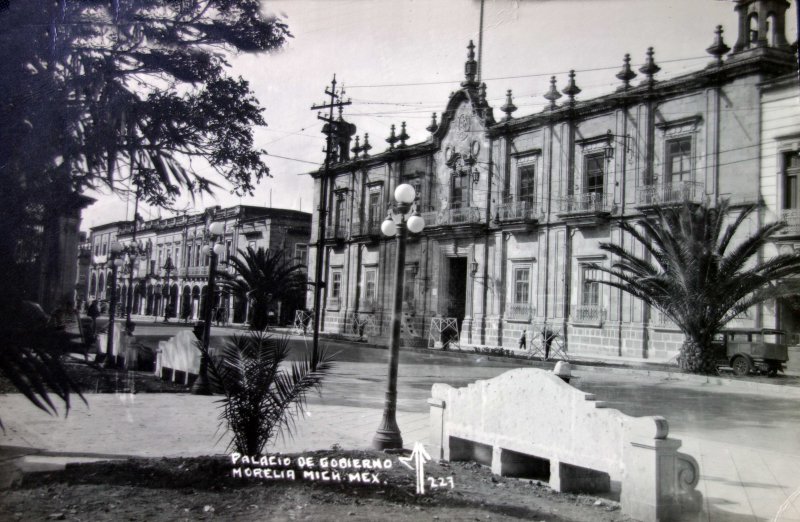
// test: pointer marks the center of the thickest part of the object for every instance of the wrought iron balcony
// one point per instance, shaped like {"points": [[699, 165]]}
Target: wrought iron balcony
{"points": [[588, 314], [792, 218], [454, 216], [587, 203], [197, 271], [517, 211], [367, 228], [336, 232], [670, 193], [519, 312]]}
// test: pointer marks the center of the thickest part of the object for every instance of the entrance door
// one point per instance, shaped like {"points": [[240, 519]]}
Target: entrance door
{"points": [[457, 289]]}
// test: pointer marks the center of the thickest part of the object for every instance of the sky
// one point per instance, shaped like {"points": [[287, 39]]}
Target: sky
{"points": [[400, 59]]}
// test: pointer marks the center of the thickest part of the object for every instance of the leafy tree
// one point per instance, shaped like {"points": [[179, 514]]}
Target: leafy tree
{"points": [[261, 396], [264, 277], [117, 95], [697, 275]]}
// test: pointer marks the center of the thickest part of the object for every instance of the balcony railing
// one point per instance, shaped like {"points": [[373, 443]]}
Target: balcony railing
{"points": [[336, 232], [588, 314], [670, 193], [454, 216], [197, 271], [792, 218], [367, 228], [587, 203], [519, 312], [517, 210]]}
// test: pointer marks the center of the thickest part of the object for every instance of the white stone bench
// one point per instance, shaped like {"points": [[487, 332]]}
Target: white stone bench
{"points": [[529, 423]]}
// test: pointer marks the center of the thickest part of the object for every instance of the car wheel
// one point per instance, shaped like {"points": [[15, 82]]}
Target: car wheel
{"points": [[741, 366]]}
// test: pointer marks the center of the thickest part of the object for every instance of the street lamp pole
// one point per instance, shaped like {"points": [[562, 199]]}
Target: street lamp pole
{"points": [[114, 249], [168, 267], [388, 434], [201, 385]]}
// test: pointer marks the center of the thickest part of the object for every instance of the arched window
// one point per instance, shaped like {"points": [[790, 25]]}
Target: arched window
{"points": [[93, 286], [752, 29], [771, 29]]}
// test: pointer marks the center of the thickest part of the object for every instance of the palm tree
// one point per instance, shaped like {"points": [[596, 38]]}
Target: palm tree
{"points": [[261, 395], [696, 276], [264, 277], [31, 358]]}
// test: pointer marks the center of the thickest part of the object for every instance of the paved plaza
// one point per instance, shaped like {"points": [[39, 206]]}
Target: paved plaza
{"points": [[745, 439]]}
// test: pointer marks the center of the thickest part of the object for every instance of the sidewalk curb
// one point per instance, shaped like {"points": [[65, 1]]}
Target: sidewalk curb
{"points": [[735, 385]]}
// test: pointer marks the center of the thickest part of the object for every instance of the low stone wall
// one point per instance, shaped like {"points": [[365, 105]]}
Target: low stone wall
{"points": [[529, 423]]}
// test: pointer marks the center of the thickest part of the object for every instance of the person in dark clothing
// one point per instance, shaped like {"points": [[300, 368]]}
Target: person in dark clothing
{"points": [[94, 312]]}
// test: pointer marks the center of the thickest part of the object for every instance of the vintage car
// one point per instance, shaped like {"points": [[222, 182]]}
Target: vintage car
{"points": [[763, 350]]}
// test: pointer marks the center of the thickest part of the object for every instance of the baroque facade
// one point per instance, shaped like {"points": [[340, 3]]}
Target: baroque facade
{"points": [[515, 208], [179, 288]]}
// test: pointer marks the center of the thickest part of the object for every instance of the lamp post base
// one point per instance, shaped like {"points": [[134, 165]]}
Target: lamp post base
{"points": [[388, 437]]}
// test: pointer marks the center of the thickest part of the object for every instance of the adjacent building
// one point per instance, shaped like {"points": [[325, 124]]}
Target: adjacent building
{"points": [[516, 208], [170, 274]]}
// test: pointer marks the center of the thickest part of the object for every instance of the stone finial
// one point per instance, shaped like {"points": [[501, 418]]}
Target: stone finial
{"points": [[357, 149], [403, 137], [508, 108], [552, 95], [718, 49], [392, 139], [626, 74], [433, 126], [571, 90], [650, 68], [482, 94], [470, 68], [366, 147]]}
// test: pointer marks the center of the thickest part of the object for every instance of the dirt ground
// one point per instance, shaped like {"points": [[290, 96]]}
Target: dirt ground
{"points": [[204, 489]]}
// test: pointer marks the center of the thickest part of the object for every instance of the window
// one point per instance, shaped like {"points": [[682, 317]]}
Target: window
{"points": [[197, 251], [417, 184], [370, 285], [228, 246], [105, 246], [339, 217], [301, 254], [458, 191], [678, 160], [590, 291], [408, 284], [336, 287], [177, 257], [791, 188], [522, 285], [374, 210], [189, 255], [593, 173], [527, 183]]}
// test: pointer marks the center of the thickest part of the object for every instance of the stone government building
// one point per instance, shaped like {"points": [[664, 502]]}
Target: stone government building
{"points": [[515, 208], [181, 239]]}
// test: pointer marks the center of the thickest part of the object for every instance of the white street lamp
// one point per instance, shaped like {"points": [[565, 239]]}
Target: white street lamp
{"points": [[388, 435]]}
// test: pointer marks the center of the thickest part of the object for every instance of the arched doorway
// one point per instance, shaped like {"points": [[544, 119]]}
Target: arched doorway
{"points": [[137, 299], [157, 299], [93, 286], [186, 303], [203, 301], [195, 302], [173, 299], [101, 286], [149, 303]]}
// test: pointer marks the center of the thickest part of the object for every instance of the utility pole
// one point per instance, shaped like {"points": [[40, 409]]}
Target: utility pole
{"points": [[335, 102]]}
